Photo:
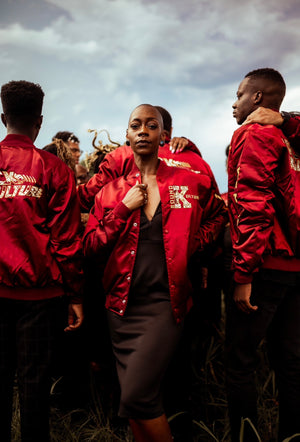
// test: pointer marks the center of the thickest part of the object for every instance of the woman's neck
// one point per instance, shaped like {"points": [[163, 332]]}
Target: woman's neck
{"points": [[147, 165]]}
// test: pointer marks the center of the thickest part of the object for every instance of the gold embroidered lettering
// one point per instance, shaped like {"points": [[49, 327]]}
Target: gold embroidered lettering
{"points": [[177, 196]]}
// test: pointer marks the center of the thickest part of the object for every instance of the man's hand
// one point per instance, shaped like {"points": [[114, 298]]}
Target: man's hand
{"points": [[241, 296], [178, 144], [263, 115], [204, 277], [75, 317]]}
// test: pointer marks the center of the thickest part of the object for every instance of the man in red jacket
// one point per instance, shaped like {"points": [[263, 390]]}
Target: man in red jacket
{"points": [[263, 202], [40, 260]]}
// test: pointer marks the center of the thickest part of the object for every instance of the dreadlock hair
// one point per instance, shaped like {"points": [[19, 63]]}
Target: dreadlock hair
{"points": [[60, 149], [275, 88], [66, 136], [22, 102], [167, 119]]}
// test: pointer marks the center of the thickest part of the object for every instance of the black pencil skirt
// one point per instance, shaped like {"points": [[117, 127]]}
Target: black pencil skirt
{"points": [[143, 342]]}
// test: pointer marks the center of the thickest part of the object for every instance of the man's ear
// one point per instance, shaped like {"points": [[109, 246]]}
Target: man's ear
{"points": [[39, 122], [257, 97], [3, 119], [127, 139]]}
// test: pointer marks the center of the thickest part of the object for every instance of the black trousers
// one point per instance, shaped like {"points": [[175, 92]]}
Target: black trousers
{"points": [[277, 295], [28, 333]]}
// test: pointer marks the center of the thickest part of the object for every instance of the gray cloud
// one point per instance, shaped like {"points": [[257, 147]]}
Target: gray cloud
{"points": [[98, 59], [34, 14]]}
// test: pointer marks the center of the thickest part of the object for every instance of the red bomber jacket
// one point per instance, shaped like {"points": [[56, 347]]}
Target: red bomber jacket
{"points": [[41, 250], [193, 214], [116, 163], [263, 201]]}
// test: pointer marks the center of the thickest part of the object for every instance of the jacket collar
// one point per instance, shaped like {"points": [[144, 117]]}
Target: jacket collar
{"points": [[16, 139]]}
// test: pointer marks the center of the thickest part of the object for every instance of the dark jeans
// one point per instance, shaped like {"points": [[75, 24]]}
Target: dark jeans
{"points": [[277, 295], [28, 332]]}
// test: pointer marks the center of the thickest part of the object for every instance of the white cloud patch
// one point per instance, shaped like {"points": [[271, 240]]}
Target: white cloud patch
{"points": [[292, 99], [193, 42], [45, 41]]}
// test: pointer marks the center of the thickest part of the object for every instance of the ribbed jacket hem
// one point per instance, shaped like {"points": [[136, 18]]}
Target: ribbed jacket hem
{"points": [[30, 294]]}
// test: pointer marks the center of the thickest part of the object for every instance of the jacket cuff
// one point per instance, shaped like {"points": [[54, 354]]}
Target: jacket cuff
{"points": [[242, 278], [75, 299], [122, 211], [289, 127]]}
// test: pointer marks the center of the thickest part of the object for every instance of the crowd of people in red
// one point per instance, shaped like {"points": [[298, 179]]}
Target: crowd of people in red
{"points": [[132, 250]]}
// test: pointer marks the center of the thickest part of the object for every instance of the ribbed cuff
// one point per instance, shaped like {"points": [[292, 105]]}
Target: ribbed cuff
{"points": [[122, 211], [289, 127], [242, 278]]}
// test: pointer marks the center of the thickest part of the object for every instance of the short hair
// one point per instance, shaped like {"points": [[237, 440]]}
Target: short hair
{"points": [[160, 117], [66, 136], [167, 119], [274, 77], [22, 101]]}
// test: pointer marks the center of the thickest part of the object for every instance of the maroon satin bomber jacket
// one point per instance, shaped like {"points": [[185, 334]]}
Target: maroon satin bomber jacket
{"points": [[263, 201], [193, 214], [41, 249]]}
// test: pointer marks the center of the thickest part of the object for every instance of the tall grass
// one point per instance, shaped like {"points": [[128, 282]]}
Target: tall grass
{"points": [[208, 403], [207, 406]]}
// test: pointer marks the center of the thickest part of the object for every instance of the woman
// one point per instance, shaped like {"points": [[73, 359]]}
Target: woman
{"points": [[144, 228]]}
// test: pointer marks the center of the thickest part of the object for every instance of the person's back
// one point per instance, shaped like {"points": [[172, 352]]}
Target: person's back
{"points": [[264, 218], [279, 227], [29, 182], [40, 260]]}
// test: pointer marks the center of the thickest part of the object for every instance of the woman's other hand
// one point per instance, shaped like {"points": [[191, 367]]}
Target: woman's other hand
{"points": [[264, 116], [178, 144]]}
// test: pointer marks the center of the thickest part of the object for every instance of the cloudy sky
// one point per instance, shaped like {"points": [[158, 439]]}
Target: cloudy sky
{"points": [[98, 59]]}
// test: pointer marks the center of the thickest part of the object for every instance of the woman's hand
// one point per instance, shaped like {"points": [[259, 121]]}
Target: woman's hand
{"points": [[136, 197], [178, 144], [263, 115]]}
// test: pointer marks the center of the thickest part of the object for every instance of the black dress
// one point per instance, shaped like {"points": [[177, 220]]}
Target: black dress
{"points": [[145, 338]]}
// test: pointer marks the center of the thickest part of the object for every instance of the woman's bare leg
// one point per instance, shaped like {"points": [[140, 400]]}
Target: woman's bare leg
{"points": [[151, 430]]}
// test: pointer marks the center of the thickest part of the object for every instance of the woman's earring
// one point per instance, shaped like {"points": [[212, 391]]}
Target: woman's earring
{"points": [[162, 143], [127, 143]]}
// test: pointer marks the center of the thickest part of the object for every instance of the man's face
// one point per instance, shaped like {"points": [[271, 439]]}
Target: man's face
{"points": [[244, 104], [75, 150], [81, 174]]}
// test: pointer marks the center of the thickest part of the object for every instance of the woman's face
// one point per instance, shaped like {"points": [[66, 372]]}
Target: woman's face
{"points": [[145, 130]]}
